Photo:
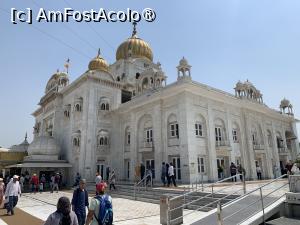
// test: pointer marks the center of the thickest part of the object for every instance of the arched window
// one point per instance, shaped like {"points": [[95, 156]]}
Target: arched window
{"points": [[137, 75], [103, 106], [118, 79], [101, 141], [107, 106]]}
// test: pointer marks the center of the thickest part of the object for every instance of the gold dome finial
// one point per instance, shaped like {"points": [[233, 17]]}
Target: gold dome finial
{"points": [[98, 63], [67, 65], [134, 32]]}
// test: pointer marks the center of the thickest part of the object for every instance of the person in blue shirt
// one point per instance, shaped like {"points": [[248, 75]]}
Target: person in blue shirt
{"points": [[80, 200]]}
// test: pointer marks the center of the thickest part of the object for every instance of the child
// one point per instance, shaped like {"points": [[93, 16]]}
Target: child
{"points": [[41, 187]]}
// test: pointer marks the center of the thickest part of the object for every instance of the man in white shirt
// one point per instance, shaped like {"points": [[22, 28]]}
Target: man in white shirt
{"points": [[98, 178], [12, 192], [171, 174]]}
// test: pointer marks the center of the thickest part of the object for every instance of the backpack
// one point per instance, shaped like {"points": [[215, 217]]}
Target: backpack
{"points": [[105, 214]]}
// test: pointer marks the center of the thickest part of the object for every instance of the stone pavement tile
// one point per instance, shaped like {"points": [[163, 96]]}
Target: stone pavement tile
{"points": [[2, 222]]}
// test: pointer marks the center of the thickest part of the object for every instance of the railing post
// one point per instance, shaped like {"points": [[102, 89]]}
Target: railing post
{"points": [[202, 182], [244, 182], [262, 204], [134, 191], [168, 212], [192, 186], [212, 190], [219, 213], [184, 195]]}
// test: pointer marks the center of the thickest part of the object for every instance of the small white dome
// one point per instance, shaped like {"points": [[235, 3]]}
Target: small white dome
{"points": [[43, 145]]}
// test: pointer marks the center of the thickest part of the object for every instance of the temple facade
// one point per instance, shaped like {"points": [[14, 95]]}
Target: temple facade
{"points": [[125, 114]]}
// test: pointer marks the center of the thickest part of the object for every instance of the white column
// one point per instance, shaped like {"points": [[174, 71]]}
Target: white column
{"points": [[212, 156]]}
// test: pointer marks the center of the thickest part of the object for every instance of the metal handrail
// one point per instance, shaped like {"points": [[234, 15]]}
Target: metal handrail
{"points": [[242, 209], [249, 193], [144, 180], [206, 186]]}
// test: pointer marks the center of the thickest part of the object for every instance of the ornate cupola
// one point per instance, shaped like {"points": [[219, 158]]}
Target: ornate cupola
{"points": [[248, 91], [134, 47], [98, 63], [183, 70], [285, 104]]}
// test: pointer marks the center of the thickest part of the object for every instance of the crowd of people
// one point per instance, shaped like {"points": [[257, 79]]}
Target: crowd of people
{"points": [[68, 212]]}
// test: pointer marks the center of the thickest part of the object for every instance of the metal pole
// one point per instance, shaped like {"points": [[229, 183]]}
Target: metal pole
{"points": [[244, 182], [219, 213], [192, 186], [183, 195], [202, 181], [262, 204], [212, 190], [168, 212], [134, 191]]}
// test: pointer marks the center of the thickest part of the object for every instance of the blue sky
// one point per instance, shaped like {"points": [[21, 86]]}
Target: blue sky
{"points": [[224, 41]]}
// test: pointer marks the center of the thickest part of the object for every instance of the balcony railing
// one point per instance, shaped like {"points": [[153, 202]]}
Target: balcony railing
{"points": [[148, 144], [258, 146], [222, 143], [282, 150]]}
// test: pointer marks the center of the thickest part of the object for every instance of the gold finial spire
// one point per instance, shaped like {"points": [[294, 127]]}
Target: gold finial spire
{"points": [[99, 53], [57, 71], [67, 65], [26, 136], [134, 29]]}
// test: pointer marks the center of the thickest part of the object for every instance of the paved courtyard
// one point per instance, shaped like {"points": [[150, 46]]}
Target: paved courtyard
{"points": [[37, 207], [125, 211]]}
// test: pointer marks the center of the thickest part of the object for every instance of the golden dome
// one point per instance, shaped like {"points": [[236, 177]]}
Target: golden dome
{"points": [[134, 47], [98, 63]]}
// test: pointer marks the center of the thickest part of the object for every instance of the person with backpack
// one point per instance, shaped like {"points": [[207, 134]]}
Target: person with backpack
{"points": [[80, 200], [63, 215], [100, 210]]}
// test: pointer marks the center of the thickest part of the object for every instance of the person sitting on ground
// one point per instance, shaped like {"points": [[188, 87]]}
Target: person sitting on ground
{"points": [[63, 215], [100, 210]]}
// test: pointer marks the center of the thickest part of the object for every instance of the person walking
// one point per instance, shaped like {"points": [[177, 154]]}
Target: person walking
{"points": [[107, 173], [100, 209], [98, 178], [56, 183], [241, 170], [34, 183], [77, 180], [220, 172], [22, 181], [171, 175], [143, 169], [52, 180], [2, 188], [233, 170], [112, 180], [80, 201], [167, 174], [63, 215], [258, 172], [163, 173], [12, 192], [42, 183]]}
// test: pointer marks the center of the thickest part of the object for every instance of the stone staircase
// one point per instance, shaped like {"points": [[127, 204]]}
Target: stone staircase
{"points": [[152, 195]]}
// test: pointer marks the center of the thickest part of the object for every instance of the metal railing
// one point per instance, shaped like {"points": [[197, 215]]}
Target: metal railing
{"points": [[143, 182], [209, 195], [261, 199]]}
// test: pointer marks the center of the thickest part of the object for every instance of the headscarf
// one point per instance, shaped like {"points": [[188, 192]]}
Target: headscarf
{"points": [[64, 208]]}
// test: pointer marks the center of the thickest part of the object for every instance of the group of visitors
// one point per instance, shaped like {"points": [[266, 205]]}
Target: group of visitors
{"points": [[167, 172], [10, 193], [110, 179], [74, 212]]}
